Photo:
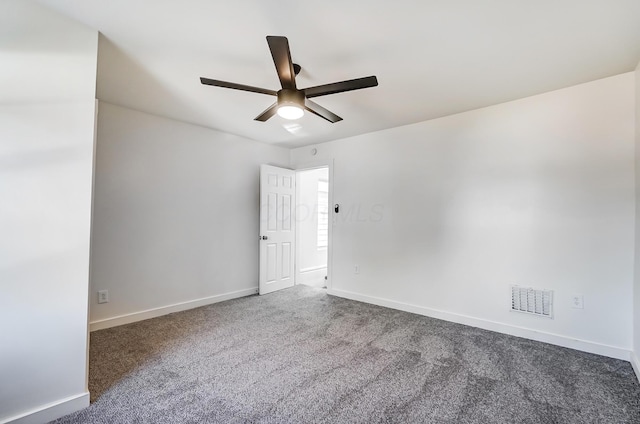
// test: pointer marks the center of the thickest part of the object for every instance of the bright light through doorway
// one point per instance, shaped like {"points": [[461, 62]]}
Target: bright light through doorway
{"points": [[312, 226]]}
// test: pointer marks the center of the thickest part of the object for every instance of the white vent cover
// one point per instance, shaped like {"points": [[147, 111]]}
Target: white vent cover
{"points": [[532, 301]]}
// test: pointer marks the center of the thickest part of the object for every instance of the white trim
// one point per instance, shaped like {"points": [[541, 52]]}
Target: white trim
{"points": [[315, 276], [635, 363], [312, 268], [169, 309], [51, 411], [541, 336], [91, 237]]}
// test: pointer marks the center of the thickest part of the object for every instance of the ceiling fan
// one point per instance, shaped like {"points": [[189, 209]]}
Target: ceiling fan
{"points": [[292, 101]]}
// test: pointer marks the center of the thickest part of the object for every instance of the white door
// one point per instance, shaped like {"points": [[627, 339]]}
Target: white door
{"points": [[277, 228]]}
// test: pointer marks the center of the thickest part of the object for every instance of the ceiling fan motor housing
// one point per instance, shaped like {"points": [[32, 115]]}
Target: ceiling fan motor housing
{"points": [[291, 97]]}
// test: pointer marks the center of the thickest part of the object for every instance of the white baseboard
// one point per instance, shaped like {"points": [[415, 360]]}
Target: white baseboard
{"points": [[51, 411], [164, 310], [527, 333], [635, 363]]}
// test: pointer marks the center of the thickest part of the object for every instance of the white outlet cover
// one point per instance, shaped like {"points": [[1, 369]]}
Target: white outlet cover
{"points": [[103, 296], [577, 301]]}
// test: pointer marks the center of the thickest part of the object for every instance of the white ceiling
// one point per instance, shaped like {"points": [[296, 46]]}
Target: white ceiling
{"points": [[432, 57]]}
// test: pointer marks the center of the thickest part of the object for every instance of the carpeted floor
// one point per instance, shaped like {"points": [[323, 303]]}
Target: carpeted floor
{"points": [[301, 356]]}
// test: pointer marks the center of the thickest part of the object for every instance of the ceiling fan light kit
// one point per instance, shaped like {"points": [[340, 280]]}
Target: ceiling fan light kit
{"points": [[290, 112], [292, 101]]}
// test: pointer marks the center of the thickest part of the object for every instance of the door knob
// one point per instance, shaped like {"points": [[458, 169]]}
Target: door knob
{"points": [[263, 238]]}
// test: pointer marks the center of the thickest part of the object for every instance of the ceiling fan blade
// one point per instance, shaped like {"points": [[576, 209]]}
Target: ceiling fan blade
{"points": [[339, 87], [225, 84], [268, 113], [279, 47], [316, 109]]}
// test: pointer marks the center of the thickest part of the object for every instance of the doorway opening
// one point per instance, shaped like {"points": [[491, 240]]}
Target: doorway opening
{"points": [[312, 226]]}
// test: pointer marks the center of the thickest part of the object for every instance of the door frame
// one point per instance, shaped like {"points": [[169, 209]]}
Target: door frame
{"points": [[308, 166]]}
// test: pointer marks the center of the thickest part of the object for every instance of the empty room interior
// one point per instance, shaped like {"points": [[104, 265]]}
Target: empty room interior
{"points": [[336, 212]]}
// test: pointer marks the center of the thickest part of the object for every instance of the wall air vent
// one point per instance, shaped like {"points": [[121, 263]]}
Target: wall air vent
{"points": [[532, 301]]}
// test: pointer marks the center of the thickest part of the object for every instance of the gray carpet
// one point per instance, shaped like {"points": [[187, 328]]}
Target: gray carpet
{"points": [[301, 356]]}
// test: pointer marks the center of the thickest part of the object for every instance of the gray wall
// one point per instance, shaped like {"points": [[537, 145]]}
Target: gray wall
{"points": [[176, 213], [443, 216], [47, 114]]}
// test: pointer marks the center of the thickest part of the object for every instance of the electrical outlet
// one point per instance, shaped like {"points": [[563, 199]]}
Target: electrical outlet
{"points": [[356, 269], [577, 301], [103, 296]]}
